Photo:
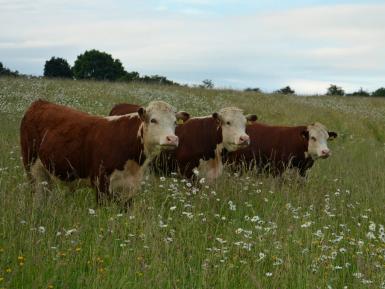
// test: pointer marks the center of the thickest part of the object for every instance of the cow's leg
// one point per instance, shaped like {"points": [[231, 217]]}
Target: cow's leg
{"points": [[41, 180], [101, 184]]}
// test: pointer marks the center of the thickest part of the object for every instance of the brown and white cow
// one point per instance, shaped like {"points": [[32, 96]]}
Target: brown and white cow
{"points": [[112, 151], [201, 142], [275, 148]]}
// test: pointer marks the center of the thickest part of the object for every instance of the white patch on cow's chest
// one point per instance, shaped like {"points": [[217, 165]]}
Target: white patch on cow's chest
{"points": [[212, 168], [126, 182]]}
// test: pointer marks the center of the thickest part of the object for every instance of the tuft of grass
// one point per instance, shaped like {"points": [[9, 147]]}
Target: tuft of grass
{"points": [[244, 231]]}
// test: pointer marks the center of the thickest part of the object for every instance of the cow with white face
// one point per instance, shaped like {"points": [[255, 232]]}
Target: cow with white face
{"points": [[159, 122], [317, 136], [113, 152], [276, 148], [233, 125], [201, 142]]}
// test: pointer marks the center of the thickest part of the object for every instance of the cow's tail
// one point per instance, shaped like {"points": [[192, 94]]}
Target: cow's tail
{"points": [[29, 139]]}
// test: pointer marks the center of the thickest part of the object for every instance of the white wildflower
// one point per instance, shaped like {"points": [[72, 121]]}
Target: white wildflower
{"points": [[41, 229], [255, 219], [232, 206], [220, 240], [70, 231], [370, 235], [172, 208], [319, 234], [269, 274], [261, 256], [162, 225], [238, 231], [306, 225], [91, 211]]}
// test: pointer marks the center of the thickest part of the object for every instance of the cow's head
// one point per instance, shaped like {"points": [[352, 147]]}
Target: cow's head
{"points": [[233, 124], [158, 130], [317, 137]]}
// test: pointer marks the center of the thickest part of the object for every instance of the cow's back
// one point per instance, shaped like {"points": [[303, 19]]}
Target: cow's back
{"points": [[124, 108], [56, 135]]}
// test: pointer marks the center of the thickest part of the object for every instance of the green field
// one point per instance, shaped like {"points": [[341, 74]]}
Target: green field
{"points": [[248, 231]]}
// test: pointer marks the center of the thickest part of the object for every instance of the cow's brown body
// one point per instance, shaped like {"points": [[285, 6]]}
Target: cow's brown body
{"points": [[273, 148], [71, 144], [198, 140]]}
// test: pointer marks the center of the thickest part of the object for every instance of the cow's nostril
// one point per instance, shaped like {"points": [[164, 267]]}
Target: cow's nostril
{"points": [[172, 139], [244, 139]]}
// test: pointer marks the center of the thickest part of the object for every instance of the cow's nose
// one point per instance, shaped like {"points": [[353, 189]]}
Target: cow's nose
{"points": [[172, 140], [325, 153], [244, 139]]}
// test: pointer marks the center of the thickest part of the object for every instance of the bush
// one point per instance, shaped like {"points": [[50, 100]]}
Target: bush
{"points": [[157, 79], [256, 89], [207, 83], [379, 92], [285, 90], [57, 67], [360, 92], [6, 71], [97, 65], [335, 90], [130, 76]]}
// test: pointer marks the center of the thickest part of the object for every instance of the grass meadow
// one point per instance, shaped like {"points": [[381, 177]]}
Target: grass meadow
{"points": [[248, 231]]}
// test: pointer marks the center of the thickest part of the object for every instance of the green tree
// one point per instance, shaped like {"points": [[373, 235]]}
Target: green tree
{"points": [[255, 89], [57, 67], [97, 65], [6, 71], [379, 92], [285, 90], [335, 90], [360, 92], [130, 76]]}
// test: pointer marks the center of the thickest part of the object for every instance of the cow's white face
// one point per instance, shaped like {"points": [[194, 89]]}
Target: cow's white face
{"points": [[317, 141], [233, 124], [159, 122]]}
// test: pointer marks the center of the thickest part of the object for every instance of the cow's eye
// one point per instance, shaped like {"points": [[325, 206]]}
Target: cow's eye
{"points": [[153, 120], [228, 123], [313, 138]]}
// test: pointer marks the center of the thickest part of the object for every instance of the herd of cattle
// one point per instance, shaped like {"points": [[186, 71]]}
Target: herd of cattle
{"points": [[114, 151]]}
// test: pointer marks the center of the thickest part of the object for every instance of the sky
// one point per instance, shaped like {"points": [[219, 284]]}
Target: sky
{"points": [[237, 44]]}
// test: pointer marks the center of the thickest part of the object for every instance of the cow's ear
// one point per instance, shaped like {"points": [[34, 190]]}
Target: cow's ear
{"points": [[216, 116], [182, 116], [332, 135], [142, 113], [305, 134], [251, 118]]}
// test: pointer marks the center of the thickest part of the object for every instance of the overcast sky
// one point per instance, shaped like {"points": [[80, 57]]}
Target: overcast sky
{"points": [[262, 43]]}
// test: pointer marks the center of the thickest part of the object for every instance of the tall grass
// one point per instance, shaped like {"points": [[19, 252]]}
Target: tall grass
{"points": [[247, 231]]}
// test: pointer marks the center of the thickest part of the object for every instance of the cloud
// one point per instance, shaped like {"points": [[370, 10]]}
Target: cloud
{"points": [[306, 48]]}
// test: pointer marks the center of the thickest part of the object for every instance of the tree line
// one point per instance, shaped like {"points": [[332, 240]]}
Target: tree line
{"points": [[97, 65], [333, 90]]}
